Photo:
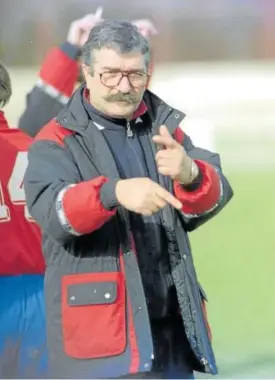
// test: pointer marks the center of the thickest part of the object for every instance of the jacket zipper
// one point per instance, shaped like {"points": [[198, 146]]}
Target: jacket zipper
{"points": [[142, 171], [129, 130]]}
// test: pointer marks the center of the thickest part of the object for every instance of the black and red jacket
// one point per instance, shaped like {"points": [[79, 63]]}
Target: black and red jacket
{"points": [[57, 80], [96, 308]]}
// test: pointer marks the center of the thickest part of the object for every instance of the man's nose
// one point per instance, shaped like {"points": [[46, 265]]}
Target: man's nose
{"points": [[124, 85]]}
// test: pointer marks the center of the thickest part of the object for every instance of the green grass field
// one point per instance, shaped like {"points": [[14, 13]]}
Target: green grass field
{"points": [[234, 254]]}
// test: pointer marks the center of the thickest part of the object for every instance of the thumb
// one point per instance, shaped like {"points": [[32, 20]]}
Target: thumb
{"points": [[98, 13], [163, 131]]}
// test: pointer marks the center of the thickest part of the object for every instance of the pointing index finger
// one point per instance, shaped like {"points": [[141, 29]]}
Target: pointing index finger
{"points": [[169, 198]]}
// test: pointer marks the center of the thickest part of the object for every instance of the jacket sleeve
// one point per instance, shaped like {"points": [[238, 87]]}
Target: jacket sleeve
{"points": [[61, 204], [54, 87], [208, 196]]}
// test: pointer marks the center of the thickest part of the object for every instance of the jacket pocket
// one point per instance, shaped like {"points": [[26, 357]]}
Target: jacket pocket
{"points": [[204, 300], [93, 315]]}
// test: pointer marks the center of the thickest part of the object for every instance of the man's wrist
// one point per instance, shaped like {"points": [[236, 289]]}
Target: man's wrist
{"points": [[193, 174], [195, 184], [108, 194]]}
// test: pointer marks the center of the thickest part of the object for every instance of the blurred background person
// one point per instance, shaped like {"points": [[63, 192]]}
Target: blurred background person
{"points": [[23, 351]]}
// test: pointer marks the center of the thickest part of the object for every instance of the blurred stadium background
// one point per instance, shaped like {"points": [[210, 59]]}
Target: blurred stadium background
{"points": [[215, 61]]}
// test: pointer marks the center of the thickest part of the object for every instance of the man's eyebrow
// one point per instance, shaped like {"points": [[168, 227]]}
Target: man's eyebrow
{"points": [[108, 68]]}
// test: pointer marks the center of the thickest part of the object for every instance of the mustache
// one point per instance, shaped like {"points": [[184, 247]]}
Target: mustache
{"points": [[121, 97]]}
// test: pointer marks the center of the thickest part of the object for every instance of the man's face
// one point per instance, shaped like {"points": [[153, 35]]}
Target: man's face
{"points": [[116, 82]]}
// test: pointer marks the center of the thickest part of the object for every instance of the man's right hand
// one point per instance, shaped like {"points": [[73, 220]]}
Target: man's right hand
{"points": [[80, 29], [144, 196]]}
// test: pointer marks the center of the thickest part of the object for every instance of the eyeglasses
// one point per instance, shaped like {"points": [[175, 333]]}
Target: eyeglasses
{"points": [[113, 79]]}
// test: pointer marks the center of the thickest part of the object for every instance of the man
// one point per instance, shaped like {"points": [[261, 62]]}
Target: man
{"points": [[59, 73], [22, 320], [116, 186]]}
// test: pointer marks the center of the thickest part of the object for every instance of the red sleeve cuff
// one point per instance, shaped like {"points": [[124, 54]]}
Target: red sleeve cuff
{"points": [[206, 196], [83, 207], [60, 71]]}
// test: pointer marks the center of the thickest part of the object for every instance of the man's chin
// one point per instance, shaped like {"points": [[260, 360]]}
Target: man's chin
{"points": [[122, 109]]}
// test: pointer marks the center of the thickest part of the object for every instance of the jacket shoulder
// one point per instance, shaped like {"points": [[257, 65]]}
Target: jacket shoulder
{"points": [[54, 132]]}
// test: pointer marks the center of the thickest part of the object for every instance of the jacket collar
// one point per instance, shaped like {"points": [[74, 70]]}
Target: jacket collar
{"points": [[76, 118]]}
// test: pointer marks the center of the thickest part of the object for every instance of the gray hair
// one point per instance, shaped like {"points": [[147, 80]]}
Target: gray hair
{"points": [[121, 36], [5, 86]]}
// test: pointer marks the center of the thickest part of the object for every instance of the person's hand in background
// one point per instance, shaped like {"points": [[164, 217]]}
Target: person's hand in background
{"points": [[79, 30], [145, 27]]}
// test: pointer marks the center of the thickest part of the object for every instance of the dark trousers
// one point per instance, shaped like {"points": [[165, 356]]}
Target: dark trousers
{"points": [[173, 356], [161, 375]]}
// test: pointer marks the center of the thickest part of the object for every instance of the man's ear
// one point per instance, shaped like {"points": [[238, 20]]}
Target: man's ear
{"points": [[86, 71]]}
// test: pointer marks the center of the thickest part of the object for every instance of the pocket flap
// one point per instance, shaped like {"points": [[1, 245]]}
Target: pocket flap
{"points": [[92, 293]]}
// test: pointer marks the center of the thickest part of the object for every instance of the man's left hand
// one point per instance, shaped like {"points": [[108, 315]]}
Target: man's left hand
{"points": [[172, 159]]}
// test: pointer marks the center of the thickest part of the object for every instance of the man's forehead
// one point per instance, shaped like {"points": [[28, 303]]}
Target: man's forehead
{"points": [[110, 59]]}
